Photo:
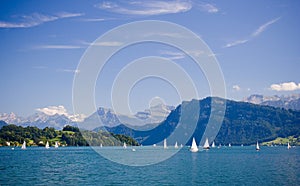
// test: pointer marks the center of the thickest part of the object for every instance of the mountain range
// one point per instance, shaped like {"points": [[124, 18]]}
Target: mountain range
{"points": [[284, 101], [244, 123], [146, 119]]}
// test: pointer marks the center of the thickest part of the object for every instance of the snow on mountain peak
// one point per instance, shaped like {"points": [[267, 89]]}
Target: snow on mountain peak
{"points": [[61, 110]]}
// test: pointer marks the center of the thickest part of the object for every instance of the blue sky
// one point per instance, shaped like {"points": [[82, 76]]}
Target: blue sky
{"points": [[256, 44]]}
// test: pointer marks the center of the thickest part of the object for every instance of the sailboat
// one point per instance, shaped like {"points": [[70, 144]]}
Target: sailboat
{"points": [[165, 144], [288, 146], [213, 144], [194, 147], [176, 145], [56, 145], [47, 145], [24, 145], [124, 145], [257, 146], [206, 144], [181, 145], [229, 145], [101, 145]]}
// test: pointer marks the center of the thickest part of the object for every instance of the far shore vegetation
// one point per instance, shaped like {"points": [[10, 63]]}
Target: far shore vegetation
{"points": [[12, 135]]}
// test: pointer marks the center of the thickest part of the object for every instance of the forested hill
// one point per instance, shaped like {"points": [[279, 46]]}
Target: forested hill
{"points": [[69, 136], [244, 123]]}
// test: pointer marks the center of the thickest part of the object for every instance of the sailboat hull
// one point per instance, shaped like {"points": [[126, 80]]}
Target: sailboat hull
{"points": [[194, 150]]}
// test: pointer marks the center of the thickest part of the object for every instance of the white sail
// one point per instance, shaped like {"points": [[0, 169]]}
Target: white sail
{"points": [[257, 146], [165, 144], [47, 145], [194, 147], [24, 145], [206, 144], [288, 146], [213, 144], [56, 145], [124, 145], [176, 145], [229, 145], [101, 145], [181, 145]]}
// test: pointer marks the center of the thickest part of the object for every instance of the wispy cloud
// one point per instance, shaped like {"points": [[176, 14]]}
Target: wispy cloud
{"points": [[96, 19], [207, 7], [289, 86], [237, 42], [69, 71], [103, 43], [146, 7], [263, 27], [36, 19], [58, 47], [173, 55], [256, 33]]}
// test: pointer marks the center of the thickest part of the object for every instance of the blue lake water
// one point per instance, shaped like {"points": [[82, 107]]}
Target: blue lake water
{"points": [[83, 166]]}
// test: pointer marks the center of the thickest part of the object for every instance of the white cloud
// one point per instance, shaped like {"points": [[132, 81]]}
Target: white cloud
{"points": [[94, 19], [263, 27], [36, 19], [289, 86], [173, 55], [236, 87], [60, 110], [146, 7], [58, 47], [210, 8], [256, 33], [52, 110], [108, 43], [234, 43], [165, 34], [69, 70]]}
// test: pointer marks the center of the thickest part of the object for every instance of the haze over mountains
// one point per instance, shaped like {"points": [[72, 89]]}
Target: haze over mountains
{"points": [[287, 102], [58, 117]]}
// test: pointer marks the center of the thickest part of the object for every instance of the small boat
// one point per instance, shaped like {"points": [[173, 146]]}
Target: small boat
{"points": [[213, 144], [133, 150], [229, 145], [194, 147], [176, 145], [165, 144], [56, 145], [24, 145], [47, 145], [219, 146], [101, 145], [288, 146], [257, 147], [206, 144], [181, 145], [154, 145], [242, 145], [124, 145]]}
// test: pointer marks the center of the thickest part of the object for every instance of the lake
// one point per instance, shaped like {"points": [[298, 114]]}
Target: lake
{"points": [[83, 166]]}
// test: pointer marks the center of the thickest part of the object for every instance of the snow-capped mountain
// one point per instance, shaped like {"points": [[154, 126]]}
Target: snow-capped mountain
{"points": [[58, 117], [10, 118], [284, 101], [107, 117], [52, 116]]}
